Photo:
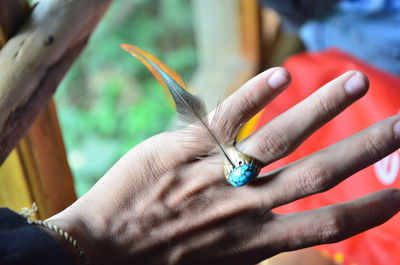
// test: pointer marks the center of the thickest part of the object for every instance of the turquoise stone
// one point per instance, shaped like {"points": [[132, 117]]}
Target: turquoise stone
{"points": [[242, 175]]}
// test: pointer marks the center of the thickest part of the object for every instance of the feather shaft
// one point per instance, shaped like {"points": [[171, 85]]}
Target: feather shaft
{"points": [[190, 107]]}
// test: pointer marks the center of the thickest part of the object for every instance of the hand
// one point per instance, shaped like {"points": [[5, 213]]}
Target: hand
{"points": [[160, 204]]}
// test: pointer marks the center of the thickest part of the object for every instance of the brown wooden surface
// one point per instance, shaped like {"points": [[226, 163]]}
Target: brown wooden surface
{"points": [[47, 169], [12, 15], [15, 192], [37, 171], [250, 41], [33, 62], [250, 26], [227, 45]]}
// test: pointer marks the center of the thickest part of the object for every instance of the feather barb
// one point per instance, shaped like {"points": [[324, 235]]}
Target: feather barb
{"points": [[190, 107]]}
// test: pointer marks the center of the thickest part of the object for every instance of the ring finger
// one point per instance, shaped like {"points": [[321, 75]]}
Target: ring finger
{"points": [[322, 170]]}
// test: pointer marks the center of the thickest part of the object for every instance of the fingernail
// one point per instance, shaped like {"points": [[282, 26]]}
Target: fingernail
{"points": [[356, 84], [277, 80], [396, 129]]}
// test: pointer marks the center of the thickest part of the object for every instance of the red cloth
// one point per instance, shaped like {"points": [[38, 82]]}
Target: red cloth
{"points": [[310, 71]]}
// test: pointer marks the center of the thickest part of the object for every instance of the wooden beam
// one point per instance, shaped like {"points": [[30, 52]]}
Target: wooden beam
{"points": [[43, 155], [12, 14], [15, 192], [250, 14], [227, 44], [34, 61]]}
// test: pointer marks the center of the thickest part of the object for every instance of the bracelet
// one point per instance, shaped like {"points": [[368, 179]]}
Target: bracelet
{"points": [[27, 213]]}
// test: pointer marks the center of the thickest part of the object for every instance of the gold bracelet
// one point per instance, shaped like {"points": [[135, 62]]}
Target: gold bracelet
{"points": [[28, 213]]}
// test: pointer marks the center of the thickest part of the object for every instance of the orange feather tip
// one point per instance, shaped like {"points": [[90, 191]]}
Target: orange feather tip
{"points": [[156, 67]]}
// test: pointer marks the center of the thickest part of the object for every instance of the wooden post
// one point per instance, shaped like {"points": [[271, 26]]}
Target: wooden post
{"points": [[37, 170], [227, 38], [12, 14], [34, 61]]}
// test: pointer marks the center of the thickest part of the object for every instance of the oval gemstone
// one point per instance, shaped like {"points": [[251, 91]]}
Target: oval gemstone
{"points": [[242, 175]]}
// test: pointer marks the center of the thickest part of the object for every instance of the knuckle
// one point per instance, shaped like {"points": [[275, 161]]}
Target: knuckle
{"points": [[149, 165], [248, 102], [325, 107], [273, 144], [332, 228], [373, 147], [314, 179]]}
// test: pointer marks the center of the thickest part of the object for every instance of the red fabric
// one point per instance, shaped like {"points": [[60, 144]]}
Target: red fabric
{"points": [[311, 71]]}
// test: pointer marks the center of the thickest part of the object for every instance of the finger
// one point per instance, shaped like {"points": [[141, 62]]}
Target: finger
{"points": [[247, 101], [323, 170], [332, 223], [285, 133]]}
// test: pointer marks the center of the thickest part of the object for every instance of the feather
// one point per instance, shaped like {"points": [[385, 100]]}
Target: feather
{"points": [[191, 108]]}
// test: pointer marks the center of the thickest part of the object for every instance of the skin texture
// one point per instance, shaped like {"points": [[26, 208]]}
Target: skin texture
{"points": [[308, 256], [161, 204]]}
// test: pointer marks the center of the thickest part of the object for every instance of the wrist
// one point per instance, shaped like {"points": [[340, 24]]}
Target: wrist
{"points": [[68, 243], [78, 229]]}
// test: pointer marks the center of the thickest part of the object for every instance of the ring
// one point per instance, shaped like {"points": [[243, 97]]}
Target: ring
{"points": [[241, 169]]}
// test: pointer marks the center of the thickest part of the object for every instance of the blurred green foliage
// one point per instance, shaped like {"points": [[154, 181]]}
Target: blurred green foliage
{"points": [[109, 102]]}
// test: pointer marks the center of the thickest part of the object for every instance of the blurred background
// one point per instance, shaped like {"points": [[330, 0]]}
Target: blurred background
{"points": [[109, 102]]}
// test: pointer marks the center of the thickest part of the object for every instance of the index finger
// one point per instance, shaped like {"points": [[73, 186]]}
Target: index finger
{"points": [[249, 99]]}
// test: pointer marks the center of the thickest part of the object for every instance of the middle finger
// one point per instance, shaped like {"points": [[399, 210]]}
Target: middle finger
{"points": [[285, 133]]}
